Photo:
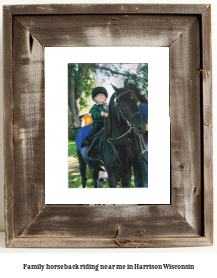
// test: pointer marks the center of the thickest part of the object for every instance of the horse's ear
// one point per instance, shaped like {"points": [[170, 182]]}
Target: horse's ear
{"points": [[115, 88]]}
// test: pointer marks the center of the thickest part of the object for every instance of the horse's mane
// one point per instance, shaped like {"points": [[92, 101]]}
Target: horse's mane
{"points": [[112, 112], [108, 122], [111, 105]]}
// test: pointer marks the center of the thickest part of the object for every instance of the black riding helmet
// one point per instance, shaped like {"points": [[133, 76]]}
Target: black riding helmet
{"points": [[99, 90]]}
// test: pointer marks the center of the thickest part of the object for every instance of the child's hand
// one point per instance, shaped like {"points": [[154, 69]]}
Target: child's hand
{"points": [[102, 113], [105, 115]]}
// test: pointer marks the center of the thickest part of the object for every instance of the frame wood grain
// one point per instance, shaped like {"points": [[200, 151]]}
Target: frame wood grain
{"points": [[186, 30]]}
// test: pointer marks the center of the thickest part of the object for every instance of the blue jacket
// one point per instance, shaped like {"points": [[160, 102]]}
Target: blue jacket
{"points": [[143, 108]]}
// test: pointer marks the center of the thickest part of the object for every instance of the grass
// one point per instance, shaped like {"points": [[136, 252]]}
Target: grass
{"points": [[74, 177], [72, 149]]}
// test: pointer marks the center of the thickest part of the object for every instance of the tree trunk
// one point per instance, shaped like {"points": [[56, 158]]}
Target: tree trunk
{"points": [[82, 70], [73, 111], [69, 123], [74, 102]]}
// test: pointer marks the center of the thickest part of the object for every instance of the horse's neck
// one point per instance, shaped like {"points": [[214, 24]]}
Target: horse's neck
{"points": [[118, 126]]}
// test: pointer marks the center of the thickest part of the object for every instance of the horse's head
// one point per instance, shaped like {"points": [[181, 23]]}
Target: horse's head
{"points": [[126, 104]]}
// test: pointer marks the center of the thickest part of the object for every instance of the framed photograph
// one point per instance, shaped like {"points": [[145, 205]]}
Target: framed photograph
{"points": [[157, 93], [45, 47]]}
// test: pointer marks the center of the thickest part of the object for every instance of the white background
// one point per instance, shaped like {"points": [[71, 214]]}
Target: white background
{"points": [[204, 258], [56, 143]]}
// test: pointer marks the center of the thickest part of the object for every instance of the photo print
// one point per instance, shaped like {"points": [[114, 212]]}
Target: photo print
{"points": [[138, 72], [108, 125]]}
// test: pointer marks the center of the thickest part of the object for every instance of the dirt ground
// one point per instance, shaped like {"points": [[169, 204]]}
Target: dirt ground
{"points": [[73, 164]]}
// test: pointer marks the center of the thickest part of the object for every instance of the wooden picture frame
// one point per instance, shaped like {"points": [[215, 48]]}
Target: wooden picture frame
{"points": [[186, 30]]}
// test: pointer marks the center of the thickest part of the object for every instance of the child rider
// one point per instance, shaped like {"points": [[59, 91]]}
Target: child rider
{"points": [[98, 112]]}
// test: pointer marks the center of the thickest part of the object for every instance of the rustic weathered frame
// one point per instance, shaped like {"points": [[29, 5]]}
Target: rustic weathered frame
{"points": [[188, 220]]}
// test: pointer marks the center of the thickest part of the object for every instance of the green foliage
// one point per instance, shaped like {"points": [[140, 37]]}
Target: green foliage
{"points": [[89, 82], [138, 75], [140, 78], [83, 84]]}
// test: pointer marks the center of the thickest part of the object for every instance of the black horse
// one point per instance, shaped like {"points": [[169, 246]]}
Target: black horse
{"points": [[115, 146]]}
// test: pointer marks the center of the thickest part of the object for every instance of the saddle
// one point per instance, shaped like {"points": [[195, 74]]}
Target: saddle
{"points": [[92, 150]]}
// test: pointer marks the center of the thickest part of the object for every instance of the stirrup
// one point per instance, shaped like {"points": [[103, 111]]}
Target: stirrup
{"points": [[86, 142]]}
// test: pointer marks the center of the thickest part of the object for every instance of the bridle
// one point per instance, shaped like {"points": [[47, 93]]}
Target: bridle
{"points": [[119, 110]]}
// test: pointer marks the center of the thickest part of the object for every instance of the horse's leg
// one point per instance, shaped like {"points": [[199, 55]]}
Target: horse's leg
{"points": [[112, 180], [82, 168], [95, 177], [125, 181]]}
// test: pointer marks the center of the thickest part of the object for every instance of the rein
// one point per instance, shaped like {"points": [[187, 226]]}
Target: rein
{"points": [[119, 111], [142, 142]]}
